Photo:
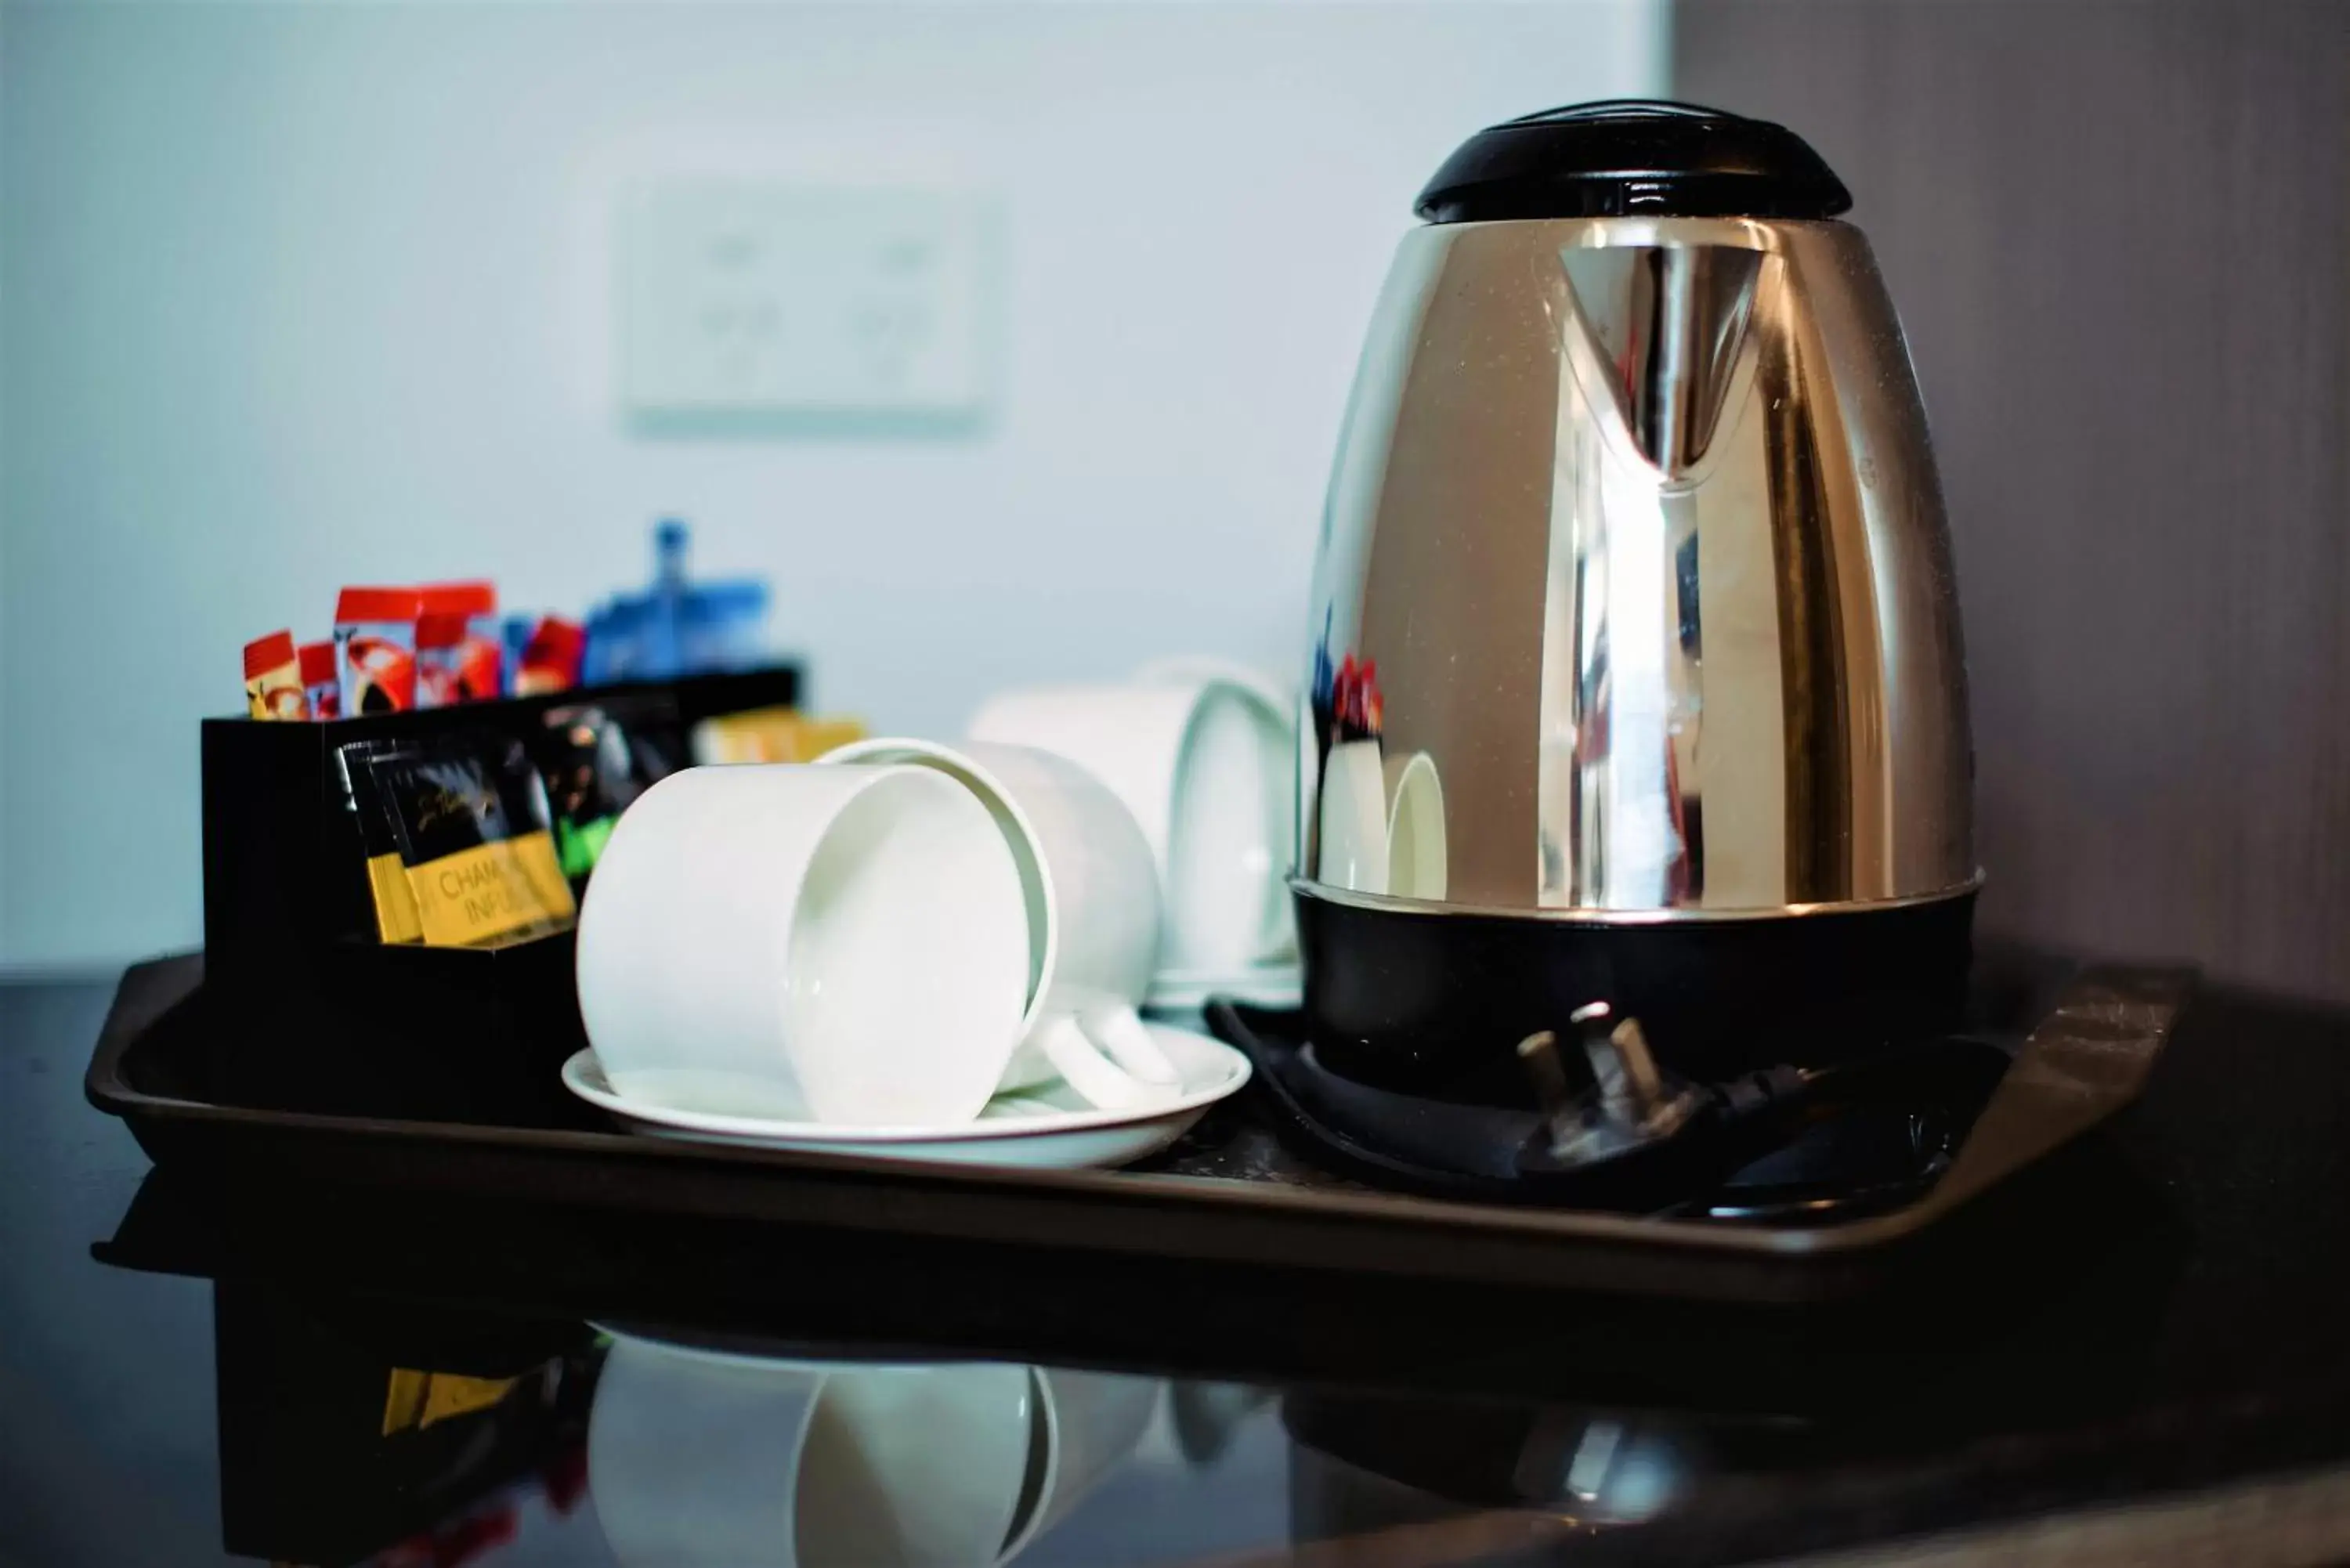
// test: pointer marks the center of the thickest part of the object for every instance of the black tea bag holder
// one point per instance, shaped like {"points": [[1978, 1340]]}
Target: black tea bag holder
{"points": [[330, 1015]]}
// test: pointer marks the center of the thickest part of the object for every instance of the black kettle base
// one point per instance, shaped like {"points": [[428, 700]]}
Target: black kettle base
{"points": [[1434, 1003]]}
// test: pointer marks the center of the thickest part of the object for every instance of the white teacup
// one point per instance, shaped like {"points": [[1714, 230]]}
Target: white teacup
{"points": [[792, 940], [1202, 760], [1092, 899]]}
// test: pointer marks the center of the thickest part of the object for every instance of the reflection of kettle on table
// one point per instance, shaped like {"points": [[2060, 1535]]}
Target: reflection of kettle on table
{"points": [[703, 1456], [1369, 1462]]}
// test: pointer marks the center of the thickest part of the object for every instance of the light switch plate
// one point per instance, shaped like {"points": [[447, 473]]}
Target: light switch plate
{"points": [[792, 302]]}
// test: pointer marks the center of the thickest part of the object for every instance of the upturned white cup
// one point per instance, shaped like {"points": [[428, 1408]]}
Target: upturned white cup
{"points": [[1201, 760], [1091, 894], [791, 940]]}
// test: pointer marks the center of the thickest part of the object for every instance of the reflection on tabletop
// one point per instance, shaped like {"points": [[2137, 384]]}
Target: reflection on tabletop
{"points": [[349, 1437]]}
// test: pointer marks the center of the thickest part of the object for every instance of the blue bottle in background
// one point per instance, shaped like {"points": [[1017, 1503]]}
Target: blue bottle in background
{"points": [[677, 627], [615, 647], [726, 626], [660, 633]]}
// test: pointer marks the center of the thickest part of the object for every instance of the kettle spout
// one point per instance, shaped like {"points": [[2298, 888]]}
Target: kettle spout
{"points": [[1664, 325]]}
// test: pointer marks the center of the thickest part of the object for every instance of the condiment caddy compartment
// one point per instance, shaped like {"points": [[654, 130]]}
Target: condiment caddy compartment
{"points": [[335, 1016]]}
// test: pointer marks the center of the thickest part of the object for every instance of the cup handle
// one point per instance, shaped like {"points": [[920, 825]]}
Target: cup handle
{"points": [[1119, 1030], [1096, 1078]]}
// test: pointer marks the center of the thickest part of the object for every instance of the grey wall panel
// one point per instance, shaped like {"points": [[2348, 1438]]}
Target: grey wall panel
{"points": [[2118, 237]]}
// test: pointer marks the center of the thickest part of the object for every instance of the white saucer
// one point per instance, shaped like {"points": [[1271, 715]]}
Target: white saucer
{"points": [[1039, 1129], [1259, 985]]}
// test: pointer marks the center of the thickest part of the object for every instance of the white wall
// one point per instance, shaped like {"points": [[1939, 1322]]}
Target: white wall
{"points": [[292, 296]]}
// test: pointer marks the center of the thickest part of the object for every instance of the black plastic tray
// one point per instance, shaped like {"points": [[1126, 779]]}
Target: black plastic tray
{"points": [[1229, 1194]]}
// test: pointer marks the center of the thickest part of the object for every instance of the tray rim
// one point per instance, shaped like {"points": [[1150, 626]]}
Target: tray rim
{"points": [[1447, 1239]]}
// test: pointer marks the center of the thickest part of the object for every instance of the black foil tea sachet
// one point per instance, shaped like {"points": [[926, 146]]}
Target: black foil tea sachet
{"points": [[597, 759], [396, 919], [584, 758], [470, 820]]}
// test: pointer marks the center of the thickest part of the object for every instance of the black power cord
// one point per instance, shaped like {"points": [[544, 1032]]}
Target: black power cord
{"points": [[1613, 1131]]}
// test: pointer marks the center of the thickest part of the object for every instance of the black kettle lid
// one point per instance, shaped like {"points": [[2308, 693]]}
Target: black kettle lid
{"points": [[1632, 157]]}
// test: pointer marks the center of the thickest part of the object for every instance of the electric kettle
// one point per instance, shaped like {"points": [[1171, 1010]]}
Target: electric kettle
{"points": [[1636, 674]]}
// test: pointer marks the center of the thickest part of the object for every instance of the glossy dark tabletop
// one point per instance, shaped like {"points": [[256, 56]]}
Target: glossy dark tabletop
{"points": [[2151, 1360]]}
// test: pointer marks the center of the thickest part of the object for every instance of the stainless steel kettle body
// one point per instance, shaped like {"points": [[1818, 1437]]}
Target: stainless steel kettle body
{"points": [[1636, 673]]}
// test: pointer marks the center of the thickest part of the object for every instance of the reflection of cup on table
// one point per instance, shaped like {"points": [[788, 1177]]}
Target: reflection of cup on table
{"points": [[919, 1465], [697, 1461], [691, 1458], [792, 940], [703, 1459], [1201, 760], [1092, 899], [1093, 1422]]}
